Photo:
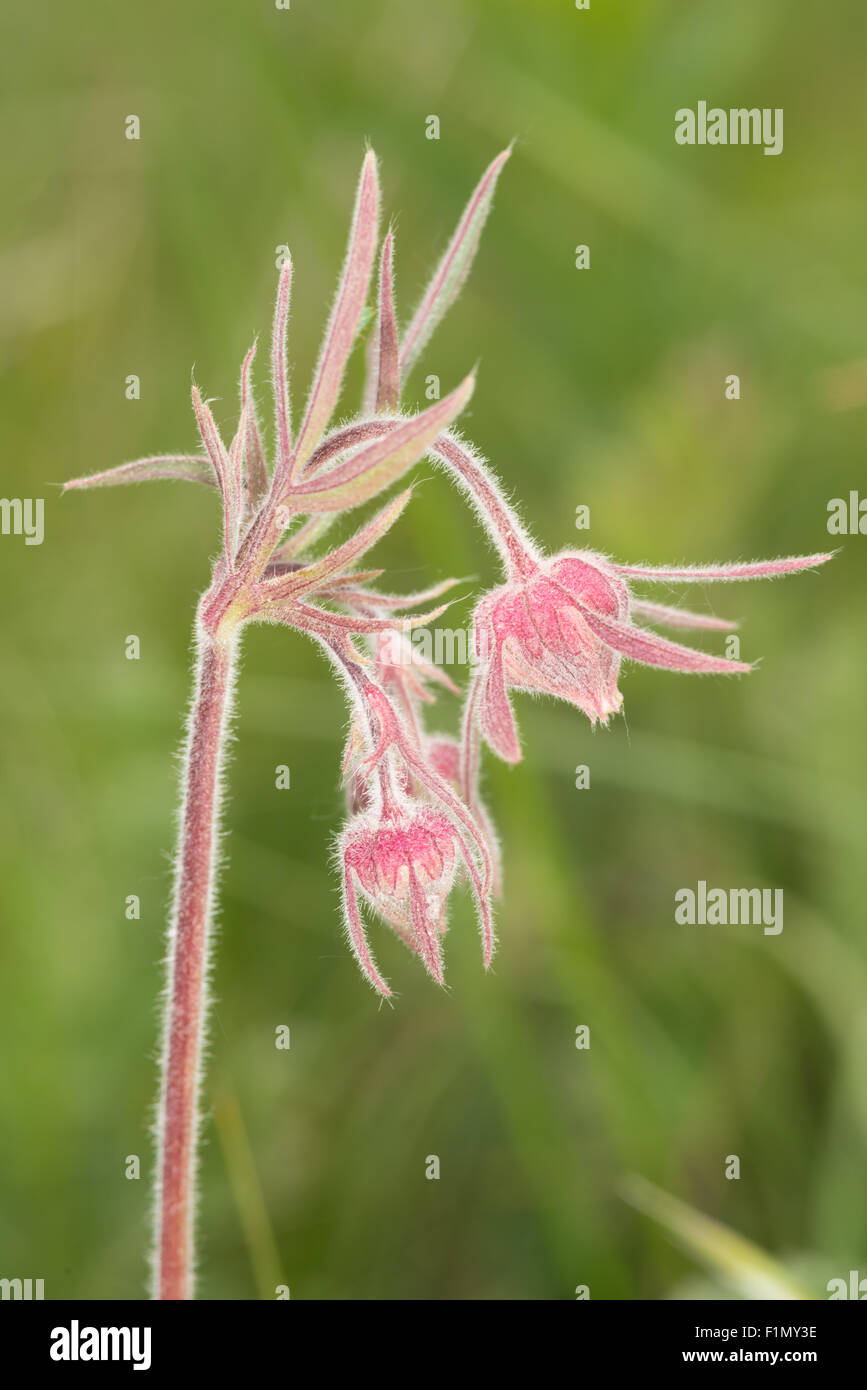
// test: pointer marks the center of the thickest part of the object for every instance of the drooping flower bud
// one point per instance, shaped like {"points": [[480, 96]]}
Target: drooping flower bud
{"points": [[533, 634], [404, 865], [563, 626]]}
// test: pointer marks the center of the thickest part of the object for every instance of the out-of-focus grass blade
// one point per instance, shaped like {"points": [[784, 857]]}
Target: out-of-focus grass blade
{"points": [[747, 1269], [247, 1189]]}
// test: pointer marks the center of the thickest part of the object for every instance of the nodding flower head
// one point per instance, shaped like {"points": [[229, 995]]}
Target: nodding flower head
{"points": [[404, 865], [562, 625], [533, 634]]}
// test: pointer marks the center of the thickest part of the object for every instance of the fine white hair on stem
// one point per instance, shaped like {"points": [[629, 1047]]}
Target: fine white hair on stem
{"points": [[196, 870], [485, 493]]}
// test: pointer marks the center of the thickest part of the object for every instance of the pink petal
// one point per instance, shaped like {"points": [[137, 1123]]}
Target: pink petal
{"points": [[357, 937], [652, 650], [679, 617], [700, 574], [470, 742], [483, 905], [495, 715], [425, 931]]}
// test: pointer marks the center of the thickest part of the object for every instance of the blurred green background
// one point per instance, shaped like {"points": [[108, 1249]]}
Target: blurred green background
{"points": [[603, 387]]}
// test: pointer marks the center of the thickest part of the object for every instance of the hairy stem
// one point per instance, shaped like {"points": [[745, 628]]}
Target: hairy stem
{"points": [[472, 475], [498, 517], [187, 967]]}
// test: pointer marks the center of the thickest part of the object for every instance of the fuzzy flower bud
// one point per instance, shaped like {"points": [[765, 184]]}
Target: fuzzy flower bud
{"points": [[563, 625], [404, 865]]}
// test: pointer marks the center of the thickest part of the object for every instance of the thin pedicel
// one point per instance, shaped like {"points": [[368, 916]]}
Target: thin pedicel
{"points": [[559, 625]]}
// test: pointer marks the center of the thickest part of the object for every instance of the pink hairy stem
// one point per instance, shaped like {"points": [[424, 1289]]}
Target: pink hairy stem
{"points": [[498, 517], [187, 968], [473, 477]]}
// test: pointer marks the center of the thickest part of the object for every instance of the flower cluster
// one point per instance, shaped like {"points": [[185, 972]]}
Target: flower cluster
{"points": [[559, 625]]}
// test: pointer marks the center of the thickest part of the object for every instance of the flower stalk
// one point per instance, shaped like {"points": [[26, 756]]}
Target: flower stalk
{"points": [[188, 965]]}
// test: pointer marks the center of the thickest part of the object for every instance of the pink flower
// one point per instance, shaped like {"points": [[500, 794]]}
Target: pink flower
{"points": [[410, 834], [562, 625], [404, 863], [533, 635]]}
